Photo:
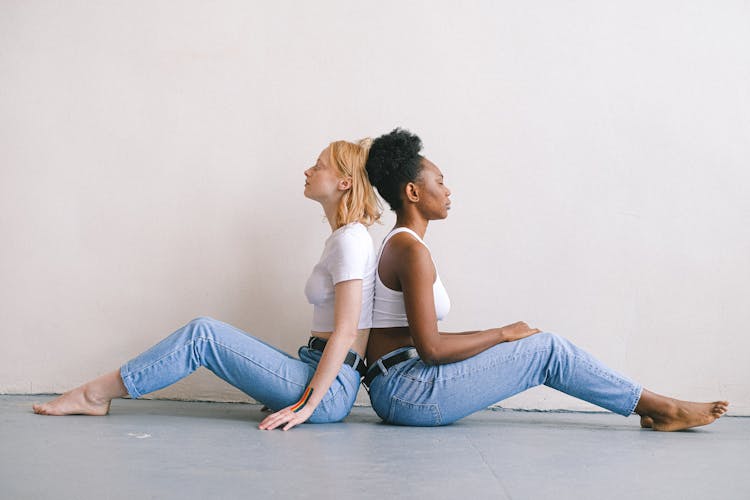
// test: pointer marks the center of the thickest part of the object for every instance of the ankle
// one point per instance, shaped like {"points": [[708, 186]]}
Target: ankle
{"points": [[669, 409], [656, 406], [93, 396]]}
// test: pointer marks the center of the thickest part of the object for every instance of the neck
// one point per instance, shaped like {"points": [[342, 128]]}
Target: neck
{"points": [[413, 222], [330, 209]]}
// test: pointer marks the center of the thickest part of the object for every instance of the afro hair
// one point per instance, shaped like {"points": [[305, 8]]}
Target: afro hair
{"points": [[393, 162]]}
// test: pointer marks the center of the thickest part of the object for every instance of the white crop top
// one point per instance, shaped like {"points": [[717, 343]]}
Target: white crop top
{"points": [[348, 254], [388, 309]]}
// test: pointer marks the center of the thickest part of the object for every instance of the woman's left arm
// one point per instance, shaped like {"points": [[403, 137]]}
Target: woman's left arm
{"points": [[347, 306]]}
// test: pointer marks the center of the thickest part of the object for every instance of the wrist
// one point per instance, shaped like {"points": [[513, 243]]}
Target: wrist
{"points": [[500, 335], [303, 401]]}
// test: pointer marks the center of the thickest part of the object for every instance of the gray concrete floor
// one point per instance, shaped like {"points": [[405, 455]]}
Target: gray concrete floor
{"points": [[170, 449]]}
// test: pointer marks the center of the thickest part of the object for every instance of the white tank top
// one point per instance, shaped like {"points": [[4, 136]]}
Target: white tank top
{"points": [[388, 309]]}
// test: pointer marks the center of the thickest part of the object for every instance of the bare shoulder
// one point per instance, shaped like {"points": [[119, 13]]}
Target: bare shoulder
{"points": [[403, 253], [405, 246]]}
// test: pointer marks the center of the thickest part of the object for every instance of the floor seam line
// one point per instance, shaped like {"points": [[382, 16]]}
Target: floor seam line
{"points": [[492, 471]]}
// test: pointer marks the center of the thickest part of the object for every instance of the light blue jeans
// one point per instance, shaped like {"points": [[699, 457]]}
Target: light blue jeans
{"points": [[265, 373], [414, 393]]}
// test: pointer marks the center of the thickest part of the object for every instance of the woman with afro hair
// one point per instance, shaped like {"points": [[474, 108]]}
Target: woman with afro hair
{"points": [[319, 386], [420, 376]]}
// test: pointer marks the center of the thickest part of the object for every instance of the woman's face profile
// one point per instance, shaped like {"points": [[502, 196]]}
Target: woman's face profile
{"points": [[321, 180], [434, 200]]}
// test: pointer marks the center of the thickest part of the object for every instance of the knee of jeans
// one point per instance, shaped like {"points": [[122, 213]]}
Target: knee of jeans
{"points": [[556, 342], [202, 319], [201, 326], [547, 339]]}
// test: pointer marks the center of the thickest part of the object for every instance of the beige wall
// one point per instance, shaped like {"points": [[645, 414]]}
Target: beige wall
{"points": [[151, 158]]}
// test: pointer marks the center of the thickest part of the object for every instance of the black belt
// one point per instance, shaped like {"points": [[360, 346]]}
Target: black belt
{"points": [[352, 358], [381, 366]]}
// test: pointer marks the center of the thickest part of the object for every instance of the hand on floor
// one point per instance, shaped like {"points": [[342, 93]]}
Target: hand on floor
{"points": [[286, 417]]}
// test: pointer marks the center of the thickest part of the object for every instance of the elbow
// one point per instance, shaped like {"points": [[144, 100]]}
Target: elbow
{"points": [[346, 334], [429, 355]]}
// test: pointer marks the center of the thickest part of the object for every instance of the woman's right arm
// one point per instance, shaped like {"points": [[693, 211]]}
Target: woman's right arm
{"points": [[416, 274]]}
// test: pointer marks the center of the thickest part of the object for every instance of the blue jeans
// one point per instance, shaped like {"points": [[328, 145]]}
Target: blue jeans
{"points": [[265, 373], [414, 393]]}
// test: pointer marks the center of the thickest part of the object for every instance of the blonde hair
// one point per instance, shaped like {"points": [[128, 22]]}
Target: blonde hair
{"points": [[359, 204]]}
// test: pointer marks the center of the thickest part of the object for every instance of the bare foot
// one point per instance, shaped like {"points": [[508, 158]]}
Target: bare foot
{"points": [[679, 415], [647, 422], [75, 402], [92, 398]]}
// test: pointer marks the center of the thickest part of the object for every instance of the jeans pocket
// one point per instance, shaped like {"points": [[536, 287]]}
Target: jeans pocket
{"points": [[406, 413]]}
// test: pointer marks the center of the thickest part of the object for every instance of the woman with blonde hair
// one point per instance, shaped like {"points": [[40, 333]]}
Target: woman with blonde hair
{"points": [[319, 386]]}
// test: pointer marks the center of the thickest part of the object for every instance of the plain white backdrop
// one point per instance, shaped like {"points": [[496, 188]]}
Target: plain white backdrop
{"points": [[151, 159]]}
